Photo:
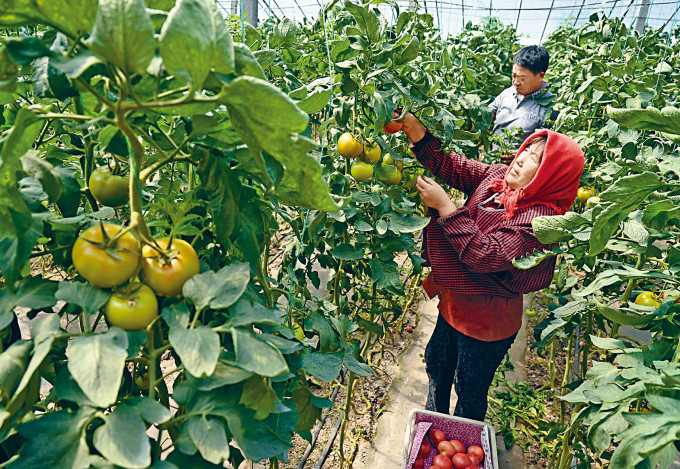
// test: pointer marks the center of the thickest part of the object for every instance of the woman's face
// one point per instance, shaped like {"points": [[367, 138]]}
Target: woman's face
{"points": [[524, 168]]}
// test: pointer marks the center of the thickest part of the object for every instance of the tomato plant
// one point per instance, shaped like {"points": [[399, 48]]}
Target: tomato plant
{"points": [[104, 258], [166, 271], [108, 188], [132, 308]]}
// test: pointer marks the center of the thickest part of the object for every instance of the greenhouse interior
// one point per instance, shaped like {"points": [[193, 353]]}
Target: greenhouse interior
{"points": [[339, 234]]}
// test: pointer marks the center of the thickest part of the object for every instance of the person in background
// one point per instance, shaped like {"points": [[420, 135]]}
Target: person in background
{"points": [[517, 106], [470, 250]]}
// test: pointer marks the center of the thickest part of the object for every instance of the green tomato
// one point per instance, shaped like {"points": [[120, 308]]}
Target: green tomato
{"points": [[132, 308], [361, 171], [647, 298], [584, 193], [109, 189]]}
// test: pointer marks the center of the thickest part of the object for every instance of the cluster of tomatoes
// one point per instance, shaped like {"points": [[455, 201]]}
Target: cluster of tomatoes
{"points": [[451, 453], [588, 196], [108, 257], [367, 157]]}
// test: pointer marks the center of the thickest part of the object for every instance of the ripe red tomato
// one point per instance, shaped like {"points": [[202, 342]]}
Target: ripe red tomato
{"points": [[132, 308], [101, 266], [392, 128], [419, 463], [458, 446], [442, 462], [460, 460], [436, 437], [167, 277], [109, 189], [446, 448], [477, 451], [472, 466], [473, 459], [425, 449]]}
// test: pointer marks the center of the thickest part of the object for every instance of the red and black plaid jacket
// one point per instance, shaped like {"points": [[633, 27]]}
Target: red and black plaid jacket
{"points": [[471, 250]]}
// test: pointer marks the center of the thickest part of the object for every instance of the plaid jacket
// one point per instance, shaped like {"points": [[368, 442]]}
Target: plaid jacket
{"points": [[471, 250]]}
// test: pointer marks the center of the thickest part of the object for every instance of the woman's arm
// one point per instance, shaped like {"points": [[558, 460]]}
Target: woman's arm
{"points": [[454, 169], [494, 251]]}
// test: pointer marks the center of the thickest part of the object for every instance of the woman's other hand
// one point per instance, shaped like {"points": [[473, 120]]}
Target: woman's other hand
{"points": [[434, 196], [414, 130]]}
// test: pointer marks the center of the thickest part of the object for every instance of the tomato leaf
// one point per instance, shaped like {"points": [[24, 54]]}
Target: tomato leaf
{"points": [[258, 396], [55, 440], [194, 39], [198, 348], [347, 252], [664, 120], [219, 289], [122, 439], [13, 362], [325, 366], [96, 363], [15, 251], [385, 275], [221, 188], [88, 297], [329, 340], [210, 438], [43, 333], [123, 35], [557, 228], [225, 373], [368, 22], [257, 355], [17, 142], [268, 121], [626, 194], [407, 223], [150, 410], [246, 312], [307, 412]]}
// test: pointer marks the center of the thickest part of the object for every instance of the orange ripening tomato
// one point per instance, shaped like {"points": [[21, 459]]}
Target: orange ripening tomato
{"points": [[167, 276]]}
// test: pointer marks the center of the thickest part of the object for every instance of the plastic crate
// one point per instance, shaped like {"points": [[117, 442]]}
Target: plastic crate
{"points": [[469, 432]]}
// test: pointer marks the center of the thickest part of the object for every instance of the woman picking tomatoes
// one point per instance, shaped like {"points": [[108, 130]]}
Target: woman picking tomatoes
{"points": [[470, 250]]}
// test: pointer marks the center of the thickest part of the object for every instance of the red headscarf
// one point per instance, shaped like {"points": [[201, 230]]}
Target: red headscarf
{"points": [[556, 181]]}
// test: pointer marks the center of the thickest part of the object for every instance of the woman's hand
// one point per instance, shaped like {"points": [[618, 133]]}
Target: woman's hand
{"points": [[434, 196], [414, 130]]}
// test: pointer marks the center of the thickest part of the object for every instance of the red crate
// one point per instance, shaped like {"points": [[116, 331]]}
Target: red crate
{"points": [[469, 432]]}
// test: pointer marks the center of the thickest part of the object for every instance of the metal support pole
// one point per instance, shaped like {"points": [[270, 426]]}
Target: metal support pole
{"points": [[250, 9], [579, 13], [546, 21], [519, 10], [642, 16]]}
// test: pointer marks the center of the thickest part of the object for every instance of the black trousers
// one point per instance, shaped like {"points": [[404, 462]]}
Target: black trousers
{"points": [[450, 354]]}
